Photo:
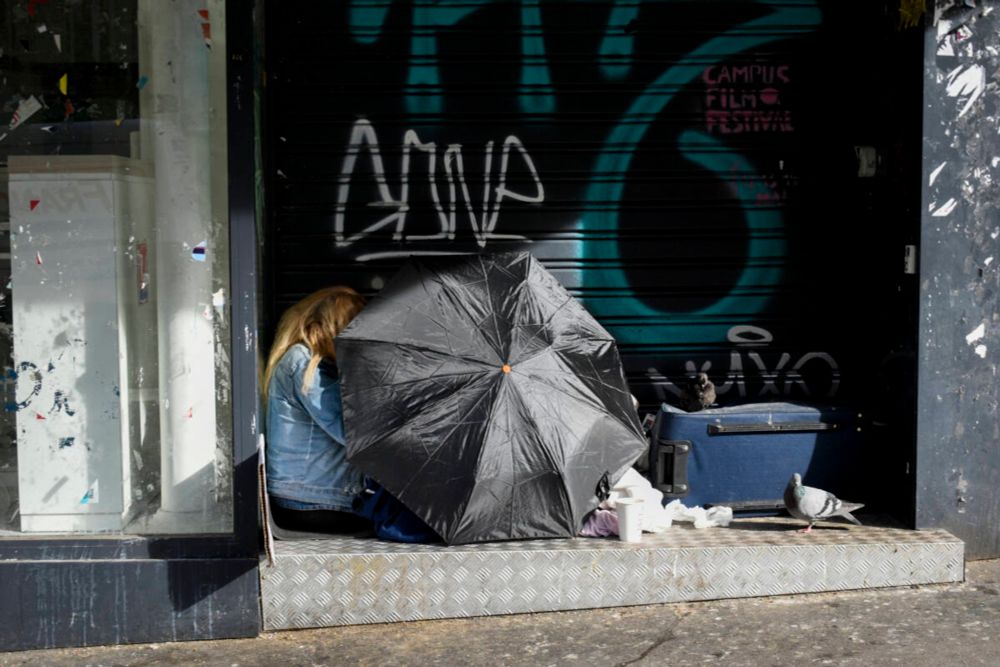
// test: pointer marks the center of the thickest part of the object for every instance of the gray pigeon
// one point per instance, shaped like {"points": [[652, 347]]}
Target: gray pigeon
{"points": [[809, 504]]}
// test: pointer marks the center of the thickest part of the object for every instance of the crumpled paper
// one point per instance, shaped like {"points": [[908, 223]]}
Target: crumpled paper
{"points": [[701, 517], [655, 517]]}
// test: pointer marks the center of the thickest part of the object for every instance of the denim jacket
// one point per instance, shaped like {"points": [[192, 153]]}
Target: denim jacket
{"points": [[306, 455]]}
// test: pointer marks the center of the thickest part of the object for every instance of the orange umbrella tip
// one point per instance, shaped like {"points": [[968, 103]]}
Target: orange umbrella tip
{"points": [[506, 368]]}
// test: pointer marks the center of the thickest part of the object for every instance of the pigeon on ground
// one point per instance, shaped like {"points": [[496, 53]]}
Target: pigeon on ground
{"points": [[809, 504], [699, 394]]}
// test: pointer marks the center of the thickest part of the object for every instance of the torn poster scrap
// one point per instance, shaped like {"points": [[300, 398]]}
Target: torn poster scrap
{"points": [[976, 334], [93, 494], [206, 27], [25, 109]]}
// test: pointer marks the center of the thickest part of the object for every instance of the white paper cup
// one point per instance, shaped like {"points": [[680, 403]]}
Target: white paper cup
{"points": [[629, 519]]}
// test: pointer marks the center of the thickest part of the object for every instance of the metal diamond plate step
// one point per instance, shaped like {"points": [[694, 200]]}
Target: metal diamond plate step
{"points": [[346, 581]]}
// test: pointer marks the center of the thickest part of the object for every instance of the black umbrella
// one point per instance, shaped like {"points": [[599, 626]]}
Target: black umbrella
{"points": [[483, 396]]}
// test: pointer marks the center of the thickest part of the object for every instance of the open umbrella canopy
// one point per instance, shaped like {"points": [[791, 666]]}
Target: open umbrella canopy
{"points": [[486, 398]]}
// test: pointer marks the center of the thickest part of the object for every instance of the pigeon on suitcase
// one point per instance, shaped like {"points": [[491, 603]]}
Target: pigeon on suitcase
{"points": [[742, 456]]}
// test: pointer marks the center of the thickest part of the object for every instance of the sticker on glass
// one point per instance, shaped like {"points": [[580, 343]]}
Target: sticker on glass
{"points": [[93, 495]]}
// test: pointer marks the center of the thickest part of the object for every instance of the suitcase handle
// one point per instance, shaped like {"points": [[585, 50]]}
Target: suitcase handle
{"points": [[742, 429], [750, 505], [669, 466]]}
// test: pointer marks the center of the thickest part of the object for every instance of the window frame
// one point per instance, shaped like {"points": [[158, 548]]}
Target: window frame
{"points": [[235, 554]]}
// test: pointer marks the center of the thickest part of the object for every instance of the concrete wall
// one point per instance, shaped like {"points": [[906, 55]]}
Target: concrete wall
{"points": [[958, 443]]}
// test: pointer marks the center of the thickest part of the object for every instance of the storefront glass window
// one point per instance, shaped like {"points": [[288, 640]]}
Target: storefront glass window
{"points": [[114, 293]]}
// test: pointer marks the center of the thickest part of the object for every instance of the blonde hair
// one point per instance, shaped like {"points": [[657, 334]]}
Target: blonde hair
{"points": [[314, 321]]}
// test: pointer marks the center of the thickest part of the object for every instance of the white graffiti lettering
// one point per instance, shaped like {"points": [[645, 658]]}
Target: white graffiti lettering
{"points": [[482, 219], [812, 373]]}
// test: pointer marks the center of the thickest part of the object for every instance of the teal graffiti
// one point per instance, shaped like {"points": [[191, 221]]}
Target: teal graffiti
{"points": [[425, 93], [367, 21], [603, 195], [617, 45], [424, 72], [536, 84]]}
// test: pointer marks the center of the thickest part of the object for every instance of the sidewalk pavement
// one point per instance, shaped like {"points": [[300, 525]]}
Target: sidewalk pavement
{"points": [[919, 626]]}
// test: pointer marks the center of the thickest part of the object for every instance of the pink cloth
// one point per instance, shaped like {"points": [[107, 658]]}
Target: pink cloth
{"points": [[600, 523]]}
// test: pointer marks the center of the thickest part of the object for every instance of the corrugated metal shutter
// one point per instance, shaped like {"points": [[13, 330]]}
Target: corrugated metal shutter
{"points": [[686, 168]]}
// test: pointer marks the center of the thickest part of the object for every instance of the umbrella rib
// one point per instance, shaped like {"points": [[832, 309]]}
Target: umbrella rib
{"points": [[423, 348], [597, 376], [443, 328], [568, 300], [388, 370], [545, 451], [535, 377], [534, 425], [627, 425], [429, 378], [557, 352], [555, 312], [459, 303], [539, 353], [504, 353], [408, 419], [513, 475], [442, 443], [485, 439], [479, 457], [600, 404]]}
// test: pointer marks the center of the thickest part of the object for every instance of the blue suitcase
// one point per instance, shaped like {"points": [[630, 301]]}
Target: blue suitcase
{"points": [[743, 456]]}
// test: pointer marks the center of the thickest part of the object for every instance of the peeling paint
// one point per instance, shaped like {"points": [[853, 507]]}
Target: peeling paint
{"points": [[958, 419], [961, 490], [936, 172], [969, 82], [946, 208]]}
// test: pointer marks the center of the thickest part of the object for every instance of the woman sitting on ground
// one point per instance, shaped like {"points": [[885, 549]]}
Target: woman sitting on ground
{"points": [[311, 484]]}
